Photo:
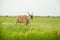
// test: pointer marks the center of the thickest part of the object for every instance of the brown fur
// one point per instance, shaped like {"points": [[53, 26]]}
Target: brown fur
{"points": [[23, 19]]}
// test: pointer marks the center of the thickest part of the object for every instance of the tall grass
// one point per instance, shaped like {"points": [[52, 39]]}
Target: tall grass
{"points": [[40, 28]]}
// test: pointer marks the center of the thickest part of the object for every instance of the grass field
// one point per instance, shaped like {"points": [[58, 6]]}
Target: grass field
{"points": [[39, 28]]}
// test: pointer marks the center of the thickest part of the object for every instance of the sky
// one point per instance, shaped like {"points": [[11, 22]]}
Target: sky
{"points": [[38, 7]]}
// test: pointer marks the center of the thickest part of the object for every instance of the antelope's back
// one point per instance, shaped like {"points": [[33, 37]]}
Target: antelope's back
{"points": [[21, 19]]}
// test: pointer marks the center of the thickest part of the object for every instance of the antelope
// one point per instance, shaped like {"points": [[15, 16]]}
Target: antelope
{"points": [[24, 18]]}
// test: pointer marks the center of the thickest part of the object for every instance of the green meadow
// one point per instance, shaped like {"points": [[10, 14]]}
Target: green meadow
{"points": [[39, 28]]}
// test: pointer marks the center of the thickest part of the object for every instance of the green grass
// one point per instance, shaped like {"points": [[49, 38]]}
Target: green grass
{"points": [[39, 28]]}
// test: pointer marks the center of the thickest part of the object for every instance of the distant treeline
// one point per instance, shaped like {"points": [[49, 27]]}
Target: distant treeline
{"points": [[7, 16], [34, 16]]}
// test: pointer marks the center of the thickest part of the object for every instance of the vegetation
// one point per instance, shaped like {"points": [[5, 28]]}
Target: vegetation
{"points": [[39, 28]]}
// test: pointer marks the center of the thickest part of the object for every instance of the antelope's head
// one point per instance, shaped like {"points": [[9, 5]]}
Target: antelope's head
{"points": [[31, 15]]}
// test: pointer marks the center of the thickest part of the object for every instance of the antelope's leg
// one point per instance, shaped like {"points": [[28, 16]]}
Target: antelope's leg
{"points": [[27, 21]]}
